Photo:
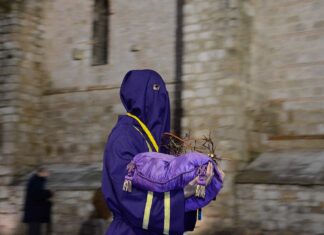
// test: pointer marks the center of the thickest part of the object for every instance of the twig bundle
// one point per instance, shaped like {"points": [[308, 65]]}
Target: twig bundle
{"points": [[178, 146]]}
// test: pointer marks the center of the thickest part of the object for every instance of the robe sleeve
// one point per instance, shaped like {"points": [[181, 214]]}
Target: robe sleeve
{"points": [[131, 206]]}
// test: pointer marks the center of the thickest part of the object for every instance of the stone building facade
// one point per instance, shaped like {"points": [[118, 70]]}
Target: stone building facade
{"points": [[249, 71]]}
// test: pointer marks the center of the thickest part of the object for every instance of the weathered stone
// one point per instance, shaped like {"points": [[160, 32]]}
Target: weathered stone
{"points": [[5, 170], [77, 54], [289, 166], [4, 192], [7, 208]]}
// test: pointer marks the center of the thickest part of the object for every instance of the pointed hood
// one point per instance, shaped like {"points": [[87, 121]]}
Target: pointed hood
{"points": [[144, 94]]}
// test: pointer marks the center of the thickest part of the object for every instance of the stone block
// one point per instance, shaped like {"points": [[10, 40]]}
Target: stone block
{"points": [[8, 148], [233, 3], [272, 195], [304, 195], [5, 170], [7, 208], [269, 225], [192, 28], [4, 192], [10, 45], [8, 110], [319, 196], [77, 54]]}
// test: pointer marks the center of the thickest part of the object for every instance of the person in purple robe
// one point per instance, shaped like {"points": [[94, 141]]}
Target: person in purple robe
{"points": [[146, 99]]}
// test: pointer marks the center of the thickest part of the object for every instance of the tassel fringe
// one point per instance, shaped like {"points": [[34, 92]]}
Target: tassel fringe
{"points": [[200, 191], [127, 186]]}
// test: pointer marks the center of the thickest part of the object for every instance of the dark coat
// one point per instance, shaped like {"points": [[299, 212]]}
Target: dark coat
{"points": [[37, 206]]}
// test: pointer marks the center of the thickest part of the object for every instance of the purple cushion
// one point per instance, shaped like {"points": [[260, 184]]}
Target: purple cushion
{"points": [[160, 172]]}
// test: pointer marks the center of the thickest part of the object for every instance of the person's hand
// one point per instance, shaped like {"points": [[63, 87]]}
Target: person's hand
{"points": [[190, 188]]}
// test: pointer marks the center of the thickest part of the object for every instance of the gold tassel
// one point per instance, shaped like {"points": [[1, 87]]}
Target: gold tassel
{"points": [[127, 186], [200, 191]]}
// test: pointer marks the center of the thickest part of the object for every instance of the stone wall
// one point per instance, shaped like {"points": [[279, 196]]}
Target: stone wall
{"points": [[281, 192], [20, 103], [280, 209], [82, 101], [71, 210], [74, 187], [9, 54], [141, 35], [291, 43], [8, 80], [246, 65], [284, 196], [30, 38], [21, 80], [259, 113], [11, 205], [218, 91]]}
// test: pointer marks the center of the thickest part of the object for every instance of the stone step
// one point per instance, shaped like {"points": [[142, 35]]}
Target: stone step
{"points": [[295, 142], [293, 167]]}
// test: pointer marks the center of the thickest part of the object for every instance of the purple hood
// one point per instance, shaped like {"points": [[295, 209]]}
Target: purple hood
{"points": [[144, 94]]}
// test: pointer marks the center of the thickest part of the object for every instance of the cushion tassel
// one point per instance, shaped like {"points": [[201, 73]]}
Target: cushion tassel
{"points": [[201, 186], [200, 191], [127, 186]]}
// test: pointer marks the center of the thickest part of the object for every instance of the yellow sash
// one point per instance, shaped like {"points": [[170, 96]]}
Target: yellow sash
{"points": [[146, 130], [149, 198]]}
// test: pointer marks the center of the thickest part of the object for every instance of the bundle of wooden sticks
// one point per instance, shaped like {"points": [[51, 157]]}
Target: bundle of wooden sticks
{"points": [[177, 145]]}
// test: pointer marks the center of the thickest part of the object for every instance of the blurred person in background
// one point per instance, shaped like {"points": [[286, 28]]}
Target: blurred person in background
{"points": [[145, 97], [37, 207]]}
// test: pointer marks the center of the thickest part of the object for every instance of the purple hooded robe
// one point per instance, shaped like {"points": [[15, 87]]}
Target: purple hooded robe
{"points": [[144, 94]]}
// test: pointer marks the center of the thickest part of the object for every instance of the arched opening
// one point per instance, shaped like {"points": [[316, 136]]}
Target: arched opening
{"points": [[100, 32]]}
